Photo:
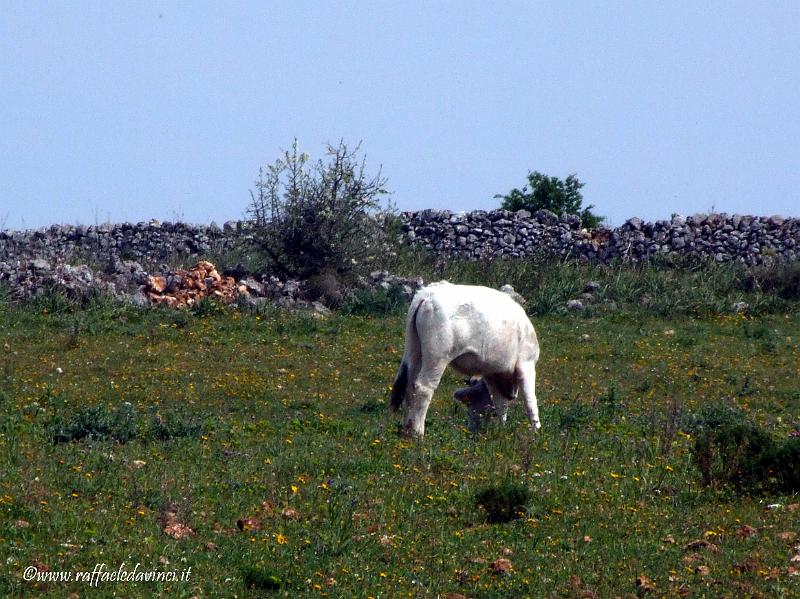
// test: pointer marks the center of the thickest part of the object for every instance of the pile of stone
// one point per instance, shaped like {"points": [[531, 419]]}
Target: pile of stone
{"points": [[183, 288]]}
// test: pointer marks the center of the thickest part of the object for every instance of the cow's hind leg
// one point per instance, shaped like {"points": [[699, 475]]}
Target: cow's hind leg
{"points": [[526, 374], [420, 392]]}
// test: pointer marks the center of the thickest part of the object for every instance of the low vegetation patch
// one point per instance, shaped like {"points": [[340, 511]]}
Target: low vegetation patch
{"points": [[261, 578], [730, 449], [503, 502], [255, 448], [120, 424], [376, 302]]}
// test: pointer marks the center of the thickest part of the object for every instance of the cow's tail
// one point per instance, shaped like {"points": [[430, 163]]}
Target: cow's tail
{"points": [[412, 351], [399, 387]]}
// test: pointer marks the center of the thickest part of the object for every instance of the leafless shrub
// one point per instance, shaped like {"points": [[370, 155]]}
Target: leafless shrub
{"points": [[310, 217]]}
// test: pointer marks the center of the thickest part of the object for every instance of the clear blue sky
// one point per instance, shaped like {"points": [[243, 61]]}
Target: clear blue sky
{"points": [[137, 110]]}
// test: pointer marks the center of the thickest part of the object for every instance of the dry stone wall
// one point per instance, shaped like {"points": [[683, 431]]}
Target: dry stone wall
{"points": [[119, 258], [719, 237], [151, 242]]}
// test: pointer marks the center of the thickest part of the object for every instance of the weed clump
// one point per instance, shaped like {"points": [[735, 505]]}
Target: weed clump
{"points": [[731, 450], [96, 422], [174, 426], [504, 502], [121, 425], [260, 579], [207, 308], [376, 302], [574, 417], [781, 463], [782, 280]]}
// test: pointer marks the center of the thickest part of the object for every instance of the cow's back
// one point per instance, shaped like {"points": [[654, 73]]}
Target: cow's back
{"points": [[476, 320]]}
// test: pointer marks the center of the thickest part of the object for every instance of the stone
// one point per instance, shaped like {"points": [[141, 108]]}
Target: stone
{"points": [[140, 299], [775, 221], [320, 309], [591, 287], [634, 223], [678, 243], [741, 308], [253, 286], [40, 264], [514, 295], [157, 284], [574, 305], [501, 566], [546, 217]]}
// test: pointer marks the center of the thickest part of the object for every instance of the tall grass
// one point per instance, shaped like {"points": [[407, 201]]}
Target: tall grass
{"points": [[661, 288]]}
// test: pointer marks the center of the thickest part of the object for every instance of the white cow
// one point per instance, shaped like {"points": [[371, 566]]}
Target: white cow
{"points": [[480, 331]]}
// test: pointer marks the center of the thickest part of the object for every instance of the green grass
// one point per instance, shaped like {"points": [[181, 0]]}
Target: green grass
{"points": [[226, 411]]}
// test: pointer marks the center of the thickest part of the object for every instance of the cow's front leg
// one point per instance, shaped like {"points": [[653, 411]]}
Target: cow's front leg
{"points": [[527, 385], [501, 408]]}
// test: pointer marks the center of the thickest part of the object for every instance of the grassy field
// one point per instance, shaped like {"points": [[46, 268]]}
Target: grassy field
{"points": [[256, 450]]}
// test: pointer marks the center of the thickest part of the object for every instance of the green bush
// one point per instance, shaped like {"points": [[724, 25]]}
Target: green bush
{"points": [[504, 502], [731, 454], [782, 280], [573, 417], [173, 426], [207, 307], [553, 194], [729, 449], [53, 301], [5, 297]]}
